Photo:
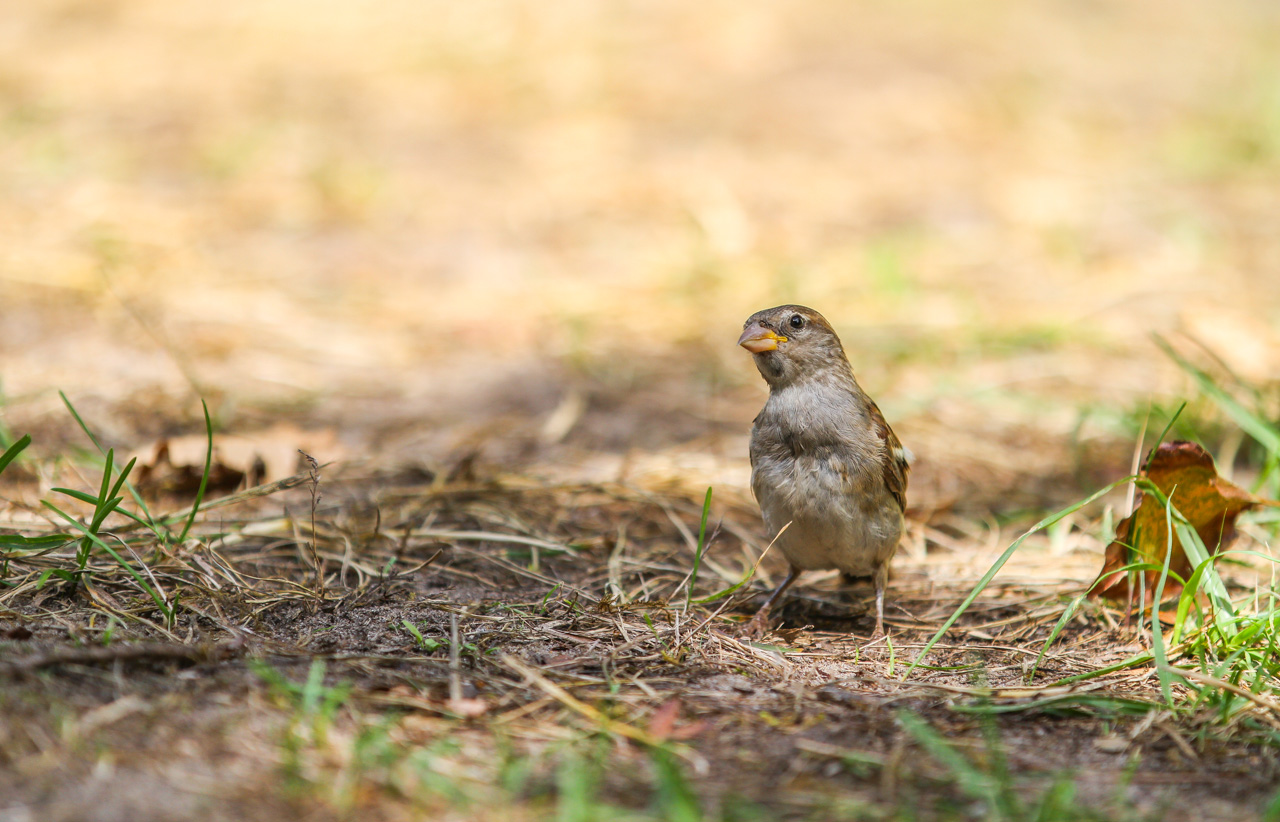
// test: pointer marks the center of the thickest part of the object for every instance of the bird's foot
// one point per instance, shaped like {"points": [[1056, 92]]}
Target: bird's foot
{"points": [[757, 626], [879, 631]]}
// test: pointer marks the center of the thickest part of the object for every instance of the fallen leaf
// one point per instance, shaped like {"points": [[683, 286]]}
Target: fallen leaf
{"points": [[161, 476], [662, 725], [1184, 472], [663, 721], [174, 465]]}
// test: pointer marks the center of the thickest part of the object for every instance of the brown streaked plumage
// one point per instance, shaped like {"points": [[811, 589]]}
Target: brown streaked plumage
{"points": [[824, 463]]}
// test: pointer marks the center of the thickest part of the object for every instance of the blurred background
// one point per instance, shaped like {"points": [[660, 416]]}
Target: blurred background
{"points": [[527, 233]]}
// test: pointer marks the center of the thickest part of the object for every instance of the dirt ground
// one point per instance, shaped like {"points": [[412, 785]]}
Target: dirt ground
{"points": [[487, 262]]}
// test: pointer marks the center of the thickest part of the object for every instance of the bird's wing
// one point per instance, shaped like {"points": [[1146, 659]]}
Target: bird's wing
{"points": [[896, 465]]}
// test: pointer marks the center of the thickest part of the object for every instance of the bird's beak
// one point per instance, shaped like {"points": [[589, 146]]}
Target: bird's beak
{"points": [[757, 339]]}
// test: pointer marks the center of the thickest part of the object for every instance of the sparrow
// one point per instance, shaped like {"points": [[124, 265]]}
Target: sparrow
{"points": [[827, 470]]}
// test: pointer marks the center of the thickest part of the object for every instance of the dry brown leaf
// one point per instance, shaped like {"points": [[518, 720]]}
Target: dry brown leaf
{"points": [[1184, 472], [161, 476], [663, 721], [662, 726], [173, 466]]}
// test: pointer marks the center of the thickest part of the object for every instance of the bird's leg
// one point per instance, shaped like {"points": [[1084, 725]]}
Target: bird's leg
{"points": [[881, 579], [759, 623]]}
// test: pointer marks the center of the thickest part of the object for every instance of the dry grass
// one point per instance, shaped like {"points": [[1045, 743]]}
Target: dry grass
{"points": [[476, 644]]}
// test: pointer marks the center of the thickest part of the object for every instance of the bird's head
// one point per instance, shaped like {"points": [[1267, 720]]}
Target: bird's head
{"points": [[790, 342]]}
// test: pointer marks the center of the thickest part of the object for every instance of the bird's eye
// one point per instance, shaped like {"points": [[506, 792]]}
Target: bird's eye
{"points": [[797, 321]]}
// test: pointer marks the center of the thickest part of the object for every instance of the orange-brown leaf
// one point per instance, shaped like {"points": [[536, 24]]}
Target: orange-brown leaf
{"points": [[663, 721], [1184, 472]]}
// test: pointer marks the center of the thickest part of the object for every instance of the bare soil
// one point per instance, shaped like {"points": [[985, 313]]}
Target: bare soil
{"points": [[184, 723]]}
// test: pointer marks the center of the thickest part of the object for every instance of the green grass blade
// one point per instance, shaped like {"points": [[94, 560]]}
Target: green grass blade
{"points": [[105, 491], [92, 500], [999, 563], [1131, 662], [1053, 635], [17, 542], [1134, 567], [1188, 599], [1104, 704], [1167, 427], [1157, 630], [124, 475], [1223, 611], [677, 800], [11, 453], [732, 589], [208, 465], [80, 495], [313, 688], [413, 629], [138, 578], [697, 555], [146, 519], [103, 511], [155, 594], [83, 426], [969, 779], [1197, 553], [1253, 425]]}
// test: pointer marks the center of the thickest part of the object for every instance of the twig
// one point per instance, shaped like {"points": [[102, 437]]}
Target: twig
{"points": [[1205, 679], [125, 653], [490, 536], [313, 471], [571, 702], [455, 660]]}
